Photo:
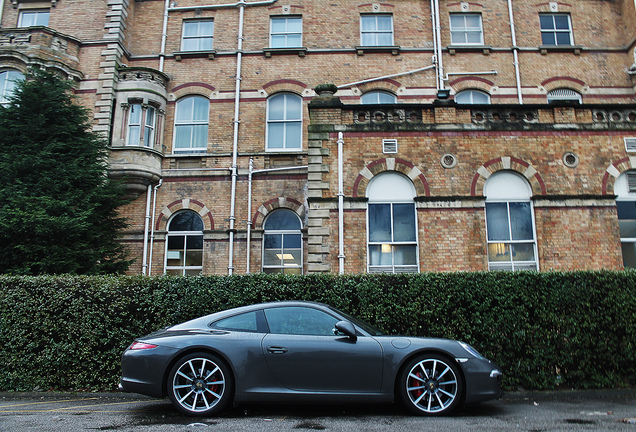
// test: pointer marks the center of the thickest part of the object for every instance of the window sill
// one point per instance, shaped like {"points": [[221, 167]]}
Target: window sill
{"points": [[545, 49], [394, 50], [269, 52], [178, 56], [484, 49]]}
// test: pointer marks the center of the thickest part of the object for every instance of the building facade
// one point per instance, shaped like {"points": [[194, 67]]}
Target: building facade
{"points": [[344, 136]]}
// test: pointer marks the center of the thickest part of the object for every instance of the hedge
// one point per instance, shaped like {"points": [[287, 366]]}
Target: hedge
{"points": [[546, 330]]}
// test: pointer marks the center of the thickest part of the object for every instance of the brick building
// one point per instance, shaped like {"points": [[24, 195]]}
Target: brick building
{"points": [[325, 136]]}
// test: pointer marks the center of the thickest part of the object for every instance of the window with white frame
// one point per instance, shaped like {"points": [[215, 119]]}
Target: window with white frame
{"points": [[197, 35], [466, 29], [564, 94], [286, 32], [184, 244], [472, 97], [378, 97], [141, 125], [30, 18], [191, 125], [391, 225], [284, 122], [625, 191], [376, 30], [8, 80], [282, 243], [510, 223], [556, 29]]}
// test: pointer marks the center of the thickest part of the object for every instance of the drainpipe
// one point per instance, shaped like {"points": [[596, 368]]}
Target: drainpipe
{"points": [[144, 264], [152, 227], [1, 11], [438, 47], [164, 35], [341, 255], [515, 52], [250, 174]]}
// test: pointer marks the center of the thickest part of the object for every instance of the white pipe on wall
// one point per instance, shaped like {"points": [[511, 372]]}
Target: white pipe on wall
{"points": [[440, 65], [341, 255], [515, 52], [152, 227], [144, 259]]}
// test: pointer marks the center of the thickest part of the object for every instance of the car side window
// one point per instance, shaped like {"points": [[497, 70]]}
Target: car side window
{"points": [[242, 322], [300, 321]]}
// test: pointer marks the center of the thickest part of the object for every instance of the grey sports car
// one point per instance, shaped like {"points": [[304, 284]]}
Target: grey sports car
{"points": [[302, 352]]}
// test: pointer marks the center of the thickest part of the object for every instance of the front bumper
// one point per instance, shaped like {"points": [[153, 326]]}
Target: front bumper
{"points": [[483, 381]]}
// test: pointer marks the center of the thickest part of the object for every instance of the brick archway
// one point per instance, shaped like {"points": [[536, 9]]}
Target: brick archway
{"points": [[507, 163], [390, 164], [275, 204], [615, 169], [184, 204]]}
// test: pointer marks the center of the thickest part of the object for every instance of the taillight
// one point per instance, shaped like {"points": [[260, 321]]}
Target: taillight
{"points": [[141, 345]]}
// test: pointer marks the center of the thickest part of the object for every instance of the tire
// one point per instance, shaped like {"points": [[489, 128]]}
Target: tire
{"points": [[200, 384], [430, 385]]}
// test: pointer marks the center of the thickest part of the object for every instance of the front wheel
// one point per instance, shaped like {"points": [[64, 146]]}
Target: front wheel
{"points": [[200, 384], [430, 385]]}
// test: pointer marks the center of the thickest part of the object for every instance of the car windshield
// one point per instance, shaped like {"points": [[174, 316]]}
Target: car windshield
{"points": [[372, 330]]}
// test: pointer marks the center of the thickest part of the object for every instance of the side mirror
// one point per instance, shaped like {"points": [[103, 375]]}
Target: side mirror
{"points": [[347, 328]]}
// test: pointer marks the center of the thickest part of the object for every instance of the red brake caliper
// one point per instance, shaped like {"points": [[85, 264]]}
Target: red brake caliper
{"points": [[416, 383]]}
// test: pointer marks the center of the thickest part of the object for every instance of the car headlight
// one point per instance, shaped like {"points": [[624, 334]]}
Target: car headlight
{"points": [[472, 350]]}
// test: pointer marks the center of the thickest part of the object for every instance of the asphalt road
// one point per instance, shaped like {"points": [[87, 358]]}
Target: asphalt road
{"points": [[532, 412]]}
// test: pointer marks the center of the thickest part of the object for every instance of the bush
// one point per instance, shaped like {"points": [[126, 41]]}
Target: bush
{"points": [[545, 330]]}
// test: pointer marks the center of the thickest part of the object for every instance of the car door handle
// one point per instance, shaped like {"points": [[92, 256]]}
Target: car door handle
{"points": [[276, 350]]}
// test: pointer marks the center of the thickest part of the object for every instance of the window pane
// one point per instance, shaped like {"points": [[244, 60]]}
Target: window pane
{"points": [[629, 254], [405, 255], [403, 222], [201, 107], [275, 135], [279, 41], [271, 258], [186, 221], [627, 228], [199, 136], [276, 107], [278, 25], [190, 45], [176, 242], [380, 255], [206, 28], [194, 258], [184, 110], [379, 222], [384, 22], [548, 39], [294, 40], [282, 220], [563, 39], [473, 21], [273, 241], [547, 22], [190, 28], [183, 137], [293, 110], [523, 252], [367, 23], [293, 138], [561, 22], [385, 39], [244, 322], [498, 252], [521, 221], [473, 37], [300, 321], [291, 241], [368, 39], [133, 135], [294, 25], [205, 44], [497, 221]]}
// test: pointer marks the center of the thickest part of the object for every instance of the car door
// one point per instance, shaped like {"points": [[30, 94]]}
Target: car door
{"points": [[304, 354]]}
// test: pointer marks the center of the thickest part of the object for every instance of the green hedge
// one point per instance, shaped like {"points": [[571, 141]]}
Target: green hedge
{"points": [[546, 330]]}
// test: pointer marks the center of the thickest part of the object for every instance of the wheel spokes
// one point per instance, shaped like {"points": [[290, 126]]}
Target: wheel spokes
{"points": [[426, 390], [198, 384]]}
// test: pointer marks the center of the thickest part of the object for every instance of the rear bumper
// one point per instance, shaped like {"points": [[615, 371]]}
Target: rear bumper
{"points": [[143, 371]]}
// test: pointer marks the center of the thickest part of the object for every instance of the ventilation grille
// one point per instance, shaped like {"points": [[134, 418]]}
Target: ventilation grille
{"points": [[389, 146], [630, 144], [564, 95]]}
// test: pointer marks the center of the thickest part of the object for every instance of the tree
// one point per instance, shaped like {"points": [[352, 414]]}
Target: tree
{"points": [[58, 208]]}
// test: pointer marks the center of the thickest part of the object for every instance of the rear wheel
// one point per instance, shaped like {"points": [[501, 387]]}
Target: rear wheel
{"points": [[430, 385], [200, 384]]}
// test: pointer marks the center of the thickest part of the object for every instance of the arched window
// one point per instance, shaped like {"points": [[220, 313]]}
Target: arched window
{"points": [[510, 223], [184, 244], [378, 97], [625, 191], [564, 94], [191, 125], [284, 122], [392, 225], [7, 84], [472, 97], [282, 243]]}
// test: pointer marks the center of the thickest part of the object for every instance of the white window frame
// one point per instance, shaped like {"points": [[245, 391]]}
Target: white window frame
{"points": [[391, 188], [283, 252], [184, 269], [199, 37], [193, 123], [459, 34], [554, 32], [142, 132], [378, 97], [38, 15], [287, 34], [564, 94], [510, 190], [375, 32], [287, 121], [470, 96], [625, 191], [8, 84]]}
